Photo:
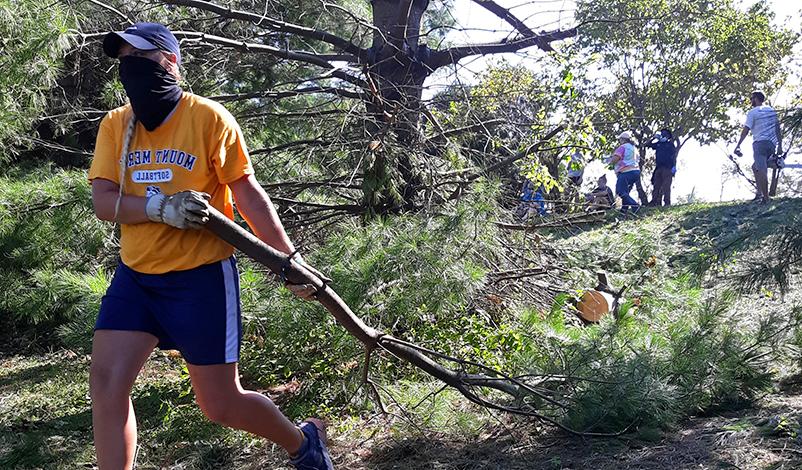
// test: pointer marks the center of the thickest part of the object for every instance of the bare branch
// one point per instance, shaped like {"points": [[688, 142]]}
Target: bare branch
{"points": [[354, 209], [277, 25], [507, 16], [472, 128], [57, 146], [287, 145], [587, 218], [308, 113], [305, 184], [113, 10], [455, 54], [513, 274], [289, 94], [400, 31]]}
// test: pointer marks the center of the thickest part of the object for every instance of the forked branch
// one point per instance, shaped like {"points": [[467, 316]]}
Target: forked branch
{"points": [[480, 388]]}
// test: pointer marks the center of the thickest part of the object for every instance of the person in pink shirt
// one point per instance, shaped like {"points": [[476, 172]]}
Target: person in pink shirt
{"points": [[625, 164]]}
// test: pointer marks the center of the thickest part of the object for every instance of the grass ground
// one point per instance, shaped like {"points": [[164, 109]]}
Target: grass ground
{"points": [[45, 420], [45, 424]]}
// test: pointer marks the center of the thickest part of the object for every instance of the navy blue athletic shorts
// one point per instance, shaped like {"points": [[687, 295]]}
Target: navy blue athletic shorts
{"points": [[196, 311]]}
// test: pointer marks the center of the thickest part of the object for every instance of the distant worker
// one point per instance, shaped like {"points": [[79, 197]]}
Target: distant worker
{"points": [[576, 168], [538, 204], [625, 164], [532, 201], [762, 121], [665, 167], [602, 197]]}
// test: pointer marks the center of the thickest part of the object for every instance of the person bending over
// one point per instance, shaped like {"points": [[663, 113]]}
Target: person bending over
{"points": [[601, 198]]}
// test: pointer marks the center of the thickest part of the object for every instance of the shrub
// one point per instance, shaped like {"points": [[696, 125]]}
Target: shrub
{"points": [[636, 371], [48, 233], [34, 39]]}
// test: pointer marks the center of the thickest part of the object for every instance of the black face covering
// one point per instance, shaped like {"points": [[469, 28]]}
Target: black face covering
{"points": [[152, 90]]}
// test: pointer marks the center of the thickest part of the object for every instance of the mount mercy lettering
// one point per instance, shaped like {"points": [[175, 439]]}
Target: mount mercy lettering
{"points": [[164, 156]]}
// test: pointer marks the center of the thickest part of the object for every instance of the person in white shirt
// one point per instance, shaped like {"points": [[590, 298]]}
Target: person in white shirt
{"points": [[762, 121]]}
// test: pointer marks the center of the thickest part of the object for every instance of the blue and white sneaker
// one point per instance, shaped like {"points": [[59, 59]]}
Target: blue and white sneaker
{"points": [[313, 454]]}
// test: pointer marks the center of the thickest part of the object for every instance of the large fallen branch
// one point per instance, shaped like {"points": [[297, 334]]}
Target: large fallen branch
{"points": [[562, 222], [517, 396]]}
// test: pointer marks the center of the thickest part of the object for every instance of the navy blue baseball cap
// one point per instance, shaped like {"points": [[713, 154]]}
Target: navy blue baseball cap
{"points": [[144, 36]]}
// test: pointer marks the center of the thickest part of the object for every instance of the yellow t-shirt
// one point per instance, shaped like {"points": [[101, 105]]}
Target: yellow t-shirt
{"points": [[200, 147]]}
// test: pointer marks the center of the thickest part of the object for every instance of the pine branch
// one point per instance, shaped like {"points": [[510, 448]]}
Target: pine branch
{"points": [[262, 21]]}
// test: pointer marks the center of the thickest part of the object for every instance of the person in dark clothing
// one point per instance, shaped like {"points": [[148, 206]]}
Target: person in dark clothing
{"points": [[532, 201], [665, 167], [602, 197]]}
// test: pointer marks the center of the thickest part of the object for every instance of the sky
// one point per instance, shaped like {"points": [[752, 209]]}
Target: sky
{"points": [[703, 172]]}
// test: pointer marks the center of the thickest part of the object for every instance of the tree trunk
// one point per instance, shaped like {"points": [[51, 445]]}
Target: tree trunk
{"points": [[396, 70]]}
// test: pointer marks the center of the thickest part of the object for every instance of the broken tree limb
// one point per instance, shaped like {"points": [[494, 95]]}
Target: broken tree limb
{"points": [[295, 273], [519, 155], [521, 397], [588, 218]]}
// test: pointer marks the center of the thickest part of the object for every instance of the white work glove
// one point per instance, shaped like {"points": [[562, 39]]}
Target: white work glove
{"points": [[187, 209]]}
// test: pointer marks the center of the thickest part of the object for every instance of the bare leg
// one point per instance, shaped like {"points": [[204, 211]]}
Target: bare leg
{"points": [[224, 401], [117, 357]]}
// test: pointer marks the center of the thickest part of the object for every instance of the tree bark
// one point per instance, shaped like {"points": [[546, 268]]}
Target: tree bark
{"points": [[396, 68]]}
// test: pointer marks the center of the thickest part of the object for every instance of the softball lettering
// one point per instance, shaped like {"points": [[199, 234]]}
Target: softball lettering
{"points": [[200, 147], [152, 176]]}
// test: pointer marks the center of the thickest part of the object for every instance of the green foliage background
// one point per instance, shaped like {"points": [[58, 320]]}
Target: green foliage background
{"points": [[32, 44], [681, 64], [56, 253], [680, 345]]}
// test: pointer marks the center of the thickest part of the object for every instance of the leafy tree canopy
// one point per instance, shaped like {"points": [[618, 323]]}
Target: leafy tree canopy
{"points": [[682, 64]]}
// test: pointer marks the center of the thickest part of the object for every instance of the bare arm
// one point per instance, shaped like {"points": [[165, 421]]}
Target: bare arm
{"points": [[744, 133], [104, 199], [257, 209]]}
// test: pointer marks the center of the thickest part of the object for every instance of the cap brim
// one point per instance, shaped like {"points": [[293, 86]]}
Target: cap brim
{"points": [[113, 41]]}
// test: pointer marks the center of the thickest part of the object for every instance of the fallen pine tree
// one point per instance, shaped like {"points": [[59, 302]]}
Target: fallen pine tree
{"points": [[476, 382]]}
